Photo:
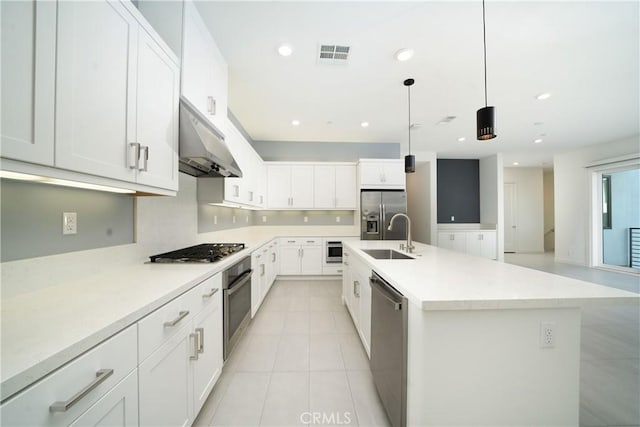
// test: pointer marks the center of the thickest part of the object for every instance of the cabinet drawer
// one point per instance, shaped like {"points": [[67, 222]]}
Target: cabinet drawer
{"points": [[207, 293], [333, 269], [94, 373], [165, 322]]}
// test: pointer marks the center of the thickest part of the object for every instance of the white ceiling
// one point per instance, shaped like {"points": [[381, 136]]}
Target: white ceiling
{"points": [[585, 53]]}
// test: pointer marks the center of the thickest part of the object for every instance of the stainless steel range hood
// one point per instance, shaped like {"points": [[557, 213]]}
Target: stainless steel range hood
{"points": [[203, 151]]}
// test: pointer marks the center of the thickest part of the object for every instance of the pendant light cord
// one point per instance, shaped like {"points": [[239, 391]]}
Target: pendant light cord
{"points": [[484, 43], [409, 92]]}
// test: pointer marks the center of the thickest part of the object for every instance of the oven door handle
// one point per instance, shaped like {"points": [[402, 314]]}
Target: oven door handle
{"points": [[240, 282]]}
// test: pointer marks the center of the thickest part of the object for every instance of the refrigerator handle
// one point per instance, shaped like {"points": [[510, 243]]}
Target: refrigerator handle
{"points": [[383, 222]]}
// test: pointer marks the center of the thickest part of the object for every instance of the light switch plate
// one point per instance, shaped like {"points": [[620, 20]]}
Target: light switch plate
{"points": [[69, 223]]}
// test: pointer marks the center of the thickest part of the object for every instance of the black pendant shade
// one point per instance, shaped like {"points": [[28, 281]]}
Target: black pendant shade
{"points": [[409, 160], [486, 121], [409, 163], [486, 116]]}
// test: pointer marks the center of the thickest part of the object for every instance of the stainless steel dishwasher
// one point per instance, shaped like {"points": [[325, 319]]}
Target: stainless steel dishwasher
{"points": [[389, 315]]}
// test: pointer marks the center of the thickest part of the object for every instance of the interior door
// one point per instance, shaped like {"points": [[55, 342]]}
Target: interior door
{"points": [[510, 229]]}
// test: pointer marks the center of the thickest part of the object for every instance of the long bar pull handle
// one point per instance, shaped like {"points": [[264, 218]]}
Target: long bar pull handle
{"points": [[175, 321], [210, 294], [200, 332], [145, 158], [212, 105], [134, 155], [273, 257], [194, 338], [101, 377]]}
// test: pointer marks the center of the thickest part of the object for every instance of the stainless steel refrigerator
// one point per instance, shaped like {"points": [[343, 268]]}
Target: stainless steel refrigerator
{"points": [[377, 208]]}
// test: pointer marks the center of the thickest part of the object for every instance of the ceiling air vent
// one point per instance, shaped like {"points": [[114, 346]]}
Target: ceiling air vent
{"points": [[333, 54]]}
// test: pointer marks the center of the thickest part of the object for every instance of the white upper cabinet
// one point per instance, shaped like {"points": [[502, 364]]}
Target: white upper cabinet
{"points": [[116, 105], [382, 173], [96, 88], [28, 37], [290, 186], [204, 70], [335, 186]]}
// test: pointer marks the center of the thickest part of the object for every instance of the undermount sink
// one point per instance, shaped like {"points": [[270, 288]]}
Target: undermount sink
{"points": [[385, 254]]}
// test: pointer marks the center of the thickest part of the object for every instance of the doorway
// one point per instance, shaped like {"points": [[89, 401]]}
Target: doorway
{"points": [[510, 225]]}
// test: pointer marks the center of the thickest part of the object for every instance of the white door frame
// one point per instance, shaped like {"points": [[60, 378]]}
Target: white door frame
{"points": [[595, 213], [514, 217]]}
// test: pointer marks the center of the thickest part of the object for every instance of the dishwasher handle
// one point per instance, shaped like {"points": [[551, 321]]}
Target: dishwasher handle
{"points": [[387, 291]]}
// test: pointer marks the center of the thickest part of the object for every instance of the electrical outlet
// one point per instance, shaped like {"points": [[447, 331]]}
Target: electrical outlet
{"points": [[233, 219], [215, 219], [337, 219], [246, 219], [453, 218], [547, 335], [69, 223], [306, 219], [264, 218]]}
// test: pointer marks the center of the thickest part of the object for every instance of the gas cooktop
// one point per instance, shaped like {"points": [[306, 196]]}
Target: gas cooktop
{"points": [[206, 252]]}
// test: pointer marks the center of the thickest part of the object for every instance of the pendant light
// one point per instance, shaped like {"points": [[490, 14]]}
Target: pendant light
{"points": [[485, 117], [409, 160]]}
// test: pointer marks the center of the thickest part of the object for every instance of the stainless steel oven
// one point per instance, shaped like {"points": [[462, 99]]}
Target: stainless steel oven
{"points": [[333, 251], [236, 308]]}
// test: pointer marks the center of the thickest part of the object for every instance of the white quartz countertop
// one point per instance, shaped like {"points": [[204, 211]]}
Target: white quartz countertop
{"points": [[440, 279], [44, 329]]}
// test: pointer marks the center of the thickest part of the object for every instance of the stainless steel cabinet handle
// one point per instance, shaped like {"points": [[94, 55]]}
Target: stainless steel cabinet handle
{"points": [[101, 376], [145, 158], [345, 263], [273, 257], [339, 271], [251, 196], [212, 105], [210, 294], [301, 253], [261, 269], [175, 321], [265, 250], [356, 289], [194, 338], [236, 191], [134, 155], [200, 332]]}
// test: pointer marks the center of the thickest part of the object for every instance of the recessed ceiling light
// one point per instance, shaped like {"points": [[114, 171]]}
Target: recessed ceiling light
{"points": [[515, 163], [364, 124], [543, 96], [537, 140], [295, 122], [462, 139], [285, 50], [404, 54]]}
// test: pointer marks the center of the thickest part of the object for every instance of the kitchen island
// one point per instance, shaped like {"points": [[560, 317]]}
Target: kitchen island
{"points": [[476, 354]]}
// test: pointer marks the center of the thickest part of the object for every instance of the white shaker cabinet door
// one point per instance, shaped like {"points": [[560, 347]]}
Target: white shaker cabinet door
{"points": [[302, 186], [290, 260], [324, 186], [311, 260], [208, 366], [279, 186], [346, 189], [165, 383], [28, 38], [158, 85], [95, 88], [117, 408]]}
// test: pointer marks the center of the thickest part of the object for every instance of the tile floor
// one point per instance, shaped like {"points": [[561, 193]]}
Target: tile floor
{"points": [[300, 357], [610, 346]]}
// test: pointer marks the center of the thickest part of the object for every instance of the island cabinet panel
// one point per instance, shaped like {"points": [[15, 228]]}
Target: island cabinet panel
{"points": [[300, 256], [491, 363], [473, 242], [356, 293]]}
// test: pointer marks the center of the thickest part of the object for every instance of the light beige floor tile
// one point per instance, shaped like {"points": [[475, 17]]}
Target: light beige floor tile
{"points": [[365, 398], [611, 341], [296, 322], [243, 401], [268, 322], [205, 416], [293, 353], [353, 352], [287, 399], [325, 353], [344, 323], [260, 354], [587, 419], [330, 396], [276, 303], [322, 322], [298, 303]]}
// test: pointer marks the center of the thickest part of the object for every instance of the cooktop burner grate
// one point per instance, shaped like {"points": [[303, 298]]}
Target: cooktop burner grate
{"points": [[206, 252]]}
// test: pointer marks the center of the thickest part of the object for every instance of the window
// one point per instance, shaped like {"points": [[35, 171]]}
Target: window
{"points": [[606, 202]]}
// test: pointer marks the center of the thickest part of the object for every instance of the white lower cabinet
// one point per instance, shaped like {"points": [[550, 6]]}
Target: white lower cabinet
{"points": [[356, 292], [265, 266], [104, 372], [176, 378], [300, 256], [473, 242]]}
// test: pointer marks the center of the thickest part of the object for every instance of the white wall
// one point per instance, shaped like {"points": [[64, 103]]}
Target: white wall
{"points": [[492, 198], [529, 208], [422, 198], [572, 196]]}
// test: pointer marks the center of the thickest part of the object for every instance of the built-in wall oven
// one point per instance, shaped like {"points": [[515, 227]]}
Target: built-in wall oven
{"points": [[236, 300], [333, 251]]}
